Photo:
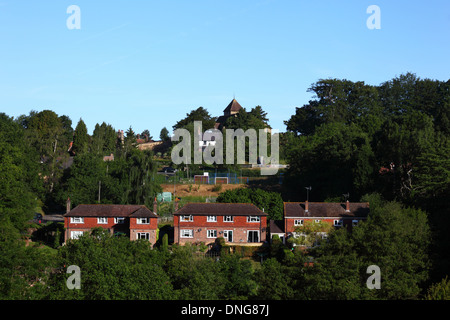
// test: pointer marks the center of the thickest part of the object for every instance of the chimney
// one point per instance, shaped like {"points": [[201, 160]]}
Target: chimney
{"points": [[68, 205], [307, 207], [155, 206], [347, 208]]}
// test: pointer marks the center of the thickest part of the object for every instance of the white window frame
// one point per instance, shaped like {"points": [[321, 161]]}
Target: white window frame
{"points": [[211, 219], [186, 218], [211, 233], [75, 234], [298, 223], [257, 232], [141, 220], [317, 221], [102, 220], [228, 234], [228, 219], [338, 222], [119, 220], [186, 233], [146, 236], [76, 220], [252, 219]]}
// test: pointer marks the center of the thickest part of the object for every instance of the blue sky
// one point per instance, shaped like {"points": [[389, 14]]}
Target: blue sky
{"points": [[146, 64]]}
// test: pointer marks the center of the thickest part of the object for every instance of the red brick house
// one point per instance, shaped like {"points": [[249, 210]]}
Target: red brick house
{"points": [[237, 223], [136, 221], [337, 215]]}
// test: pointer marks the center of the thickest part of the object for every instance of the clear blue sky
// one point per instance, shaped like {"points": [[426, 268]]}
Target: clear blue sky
{"points": [[146, 64]]}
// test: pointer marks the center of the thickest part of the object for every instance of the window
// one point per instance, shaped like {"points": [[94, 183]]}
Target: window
{"points": [[186, 218], [77, 220], [338, 223], [228, 219], [317, 221], [143, 235], [186, 233], [228, 235], [143, 220], [252, 219], [298, 222], [212, 233], [355, 223], [119, 220], [75, 234], [211, 219], [102, 220], [253, 236]]}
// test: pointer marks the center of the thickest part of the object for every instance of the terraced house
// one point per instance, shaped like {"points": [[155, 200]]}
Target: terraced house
{"points": [[135, 221], [237, 223]]}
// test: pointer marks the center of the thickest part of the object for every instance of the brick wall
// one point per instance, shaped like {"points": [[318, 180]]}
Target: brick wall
{"points": [[130, 226], [240, 229], [290, 227]]}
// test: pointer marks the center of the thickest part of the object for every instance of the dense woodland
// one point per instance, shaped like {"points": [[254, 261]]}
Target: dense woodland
{"points": [[387, 144]]}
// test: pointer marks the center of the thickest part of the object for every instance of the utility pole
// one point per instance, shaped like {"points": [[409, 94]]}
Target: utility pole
{"points": [[99, 188]]}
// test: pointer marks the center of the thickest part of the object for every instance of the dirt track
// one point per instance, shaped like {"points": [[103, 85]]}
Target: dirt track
{"points": [[205, 190]]}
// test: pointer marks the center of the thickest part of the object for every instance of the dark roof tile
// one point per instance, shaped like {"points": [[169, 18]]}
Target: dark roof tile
{"points": [[234, 106], [326, 209], [110, 210]]}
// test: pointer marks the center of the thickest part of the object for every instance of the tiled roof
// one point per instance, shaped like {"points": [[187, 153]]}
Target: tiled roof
{"points": [[110, 210], [221, 209], [234, 106], [276, 226], [325, 209]]}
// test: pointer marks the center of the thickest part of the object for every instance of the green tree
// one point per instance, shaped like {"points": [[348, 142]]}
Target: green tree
{"points": [[238, 277], [146, 135], [164, 135], [104, 139], [336, 159], [113, 268], [48, 135], [199, 114], [82, 180], [439, 291], [273, 282], [394, 238], [19, 180], [192, 277], [80, 138], [270, 202]]}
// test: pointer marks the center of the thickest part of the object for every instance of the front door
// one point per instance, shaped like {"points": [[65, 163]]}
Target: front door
{"points": [[228, 235]]}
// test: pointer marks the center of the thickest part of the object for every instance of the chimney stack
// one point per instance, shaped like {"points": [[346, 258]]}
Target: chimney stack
{"points": [[307, 207], [68, 205], [347, 208], [155, 206]]}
